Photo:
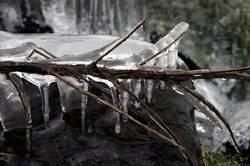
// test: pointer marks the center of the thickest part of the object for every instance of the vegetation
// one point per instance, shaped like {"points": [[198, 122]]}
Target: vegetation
{"points": [[221, 159]]}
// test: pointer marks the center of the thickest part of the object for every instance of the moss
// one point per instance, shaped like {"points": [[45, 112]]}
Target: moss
{"points": [[223, 159]]}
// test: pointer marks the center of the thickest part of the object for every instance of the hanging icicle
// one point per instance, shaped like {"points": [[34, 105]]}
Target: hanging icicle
{"points": [[115, 98], [84, 104], [44, 93], [149, 89], [16, 78], [137, 91], [125, 100]]}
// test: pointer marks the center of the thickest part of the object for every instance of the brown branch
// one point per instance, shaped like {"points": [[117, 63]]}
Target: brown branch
{"points": [[152, 115], [41, 53], [216, 112], [120, 41], [78, 76], [162, 50], [148, 111], [141, 72], [96, 98]]}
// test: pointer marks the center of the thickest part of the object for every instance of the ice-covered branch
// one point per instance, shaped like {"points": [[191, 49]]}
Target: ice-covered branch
{"points": [[42, 67]]}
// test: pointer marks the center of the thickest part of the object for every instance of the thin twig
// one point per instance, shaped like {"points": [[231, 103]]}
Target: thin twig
{"points": [[216, 112], [96, 98], [120, 41], [151, 114], [162, 50], [142, 72], [78, 76], [148, 111], [41, 53]]}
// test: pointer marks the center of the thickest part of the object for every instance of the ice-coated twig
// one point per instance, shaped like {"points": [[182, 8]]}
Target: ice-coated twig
{"points": [[152, 115], [119, 41], [147, 128], [171, 140], [171, 38], [78, 76], [142, 72], [148, 109], [215, 111], [37, 50]]}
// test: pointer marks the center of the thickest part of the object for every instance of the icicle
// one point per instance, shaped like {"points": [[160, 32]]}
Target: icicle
{"points": [[84, 103], [125, 97], [150, 85], [125, 100], [137, 91], [16, 77], [162, 85], [63, 95], [172, 56], [44, 92], [67, 93], [173, 35], [115, 98], [130, 85], [42, 82]]}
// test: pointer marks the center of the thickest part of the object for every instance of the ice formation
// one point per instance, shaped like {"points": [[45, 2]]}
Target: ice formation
{"points": [[42, 83], [84, 104], [12, 114], [129, 55], [125, 100], [115, 100]]}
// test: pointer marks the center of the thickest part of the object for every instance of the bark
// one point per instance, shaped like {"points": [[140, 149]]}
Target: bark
{"points": [[45, 67]]}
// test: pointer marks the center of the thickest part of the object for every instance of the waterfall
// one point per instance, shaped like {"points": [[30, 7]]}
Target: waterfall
{"points": [[92, 16]]}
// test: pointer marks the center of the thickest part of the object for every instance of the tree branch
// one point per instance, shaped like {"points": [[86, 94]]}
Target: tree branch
{"points": [[96, 98], [141, 72]]}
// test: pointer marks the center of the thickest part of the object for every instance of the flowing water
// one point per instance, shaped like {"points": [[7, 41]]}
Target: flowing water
{"points": [[109, 17]]}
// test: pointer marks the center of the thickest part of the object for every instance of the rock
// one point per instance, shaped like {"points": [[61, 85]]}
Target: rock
{"points": [[102, 146], [23, 17], [179, 115], [238, 117], [205, 131]]}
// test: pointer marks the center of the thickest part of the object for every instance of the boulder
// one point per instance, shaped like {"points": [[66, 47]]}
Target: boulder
{"points": [[238, 117]]}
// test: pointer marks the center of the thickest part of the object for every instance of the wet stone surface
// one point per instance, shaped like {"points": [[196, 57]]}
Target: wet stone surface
{"points": [[237, 116], [64, 144]]}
